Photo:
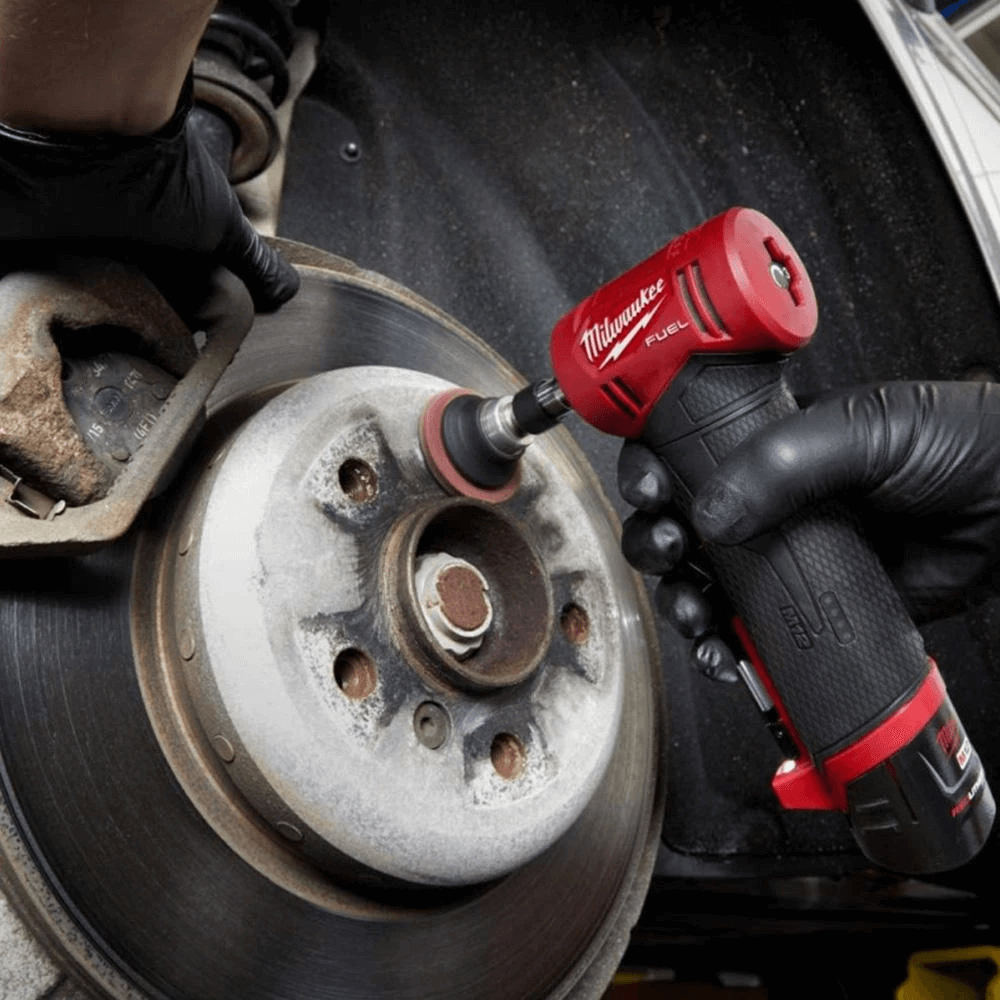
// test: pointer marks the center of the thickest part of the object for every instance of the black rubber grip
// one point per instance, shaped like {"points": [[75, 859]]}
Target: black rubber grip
{"points": [[826, 621]]}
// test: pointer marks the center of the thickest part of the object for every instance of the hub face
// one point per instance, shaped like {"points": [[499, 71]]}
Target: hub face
{"points": [[401, 683]]}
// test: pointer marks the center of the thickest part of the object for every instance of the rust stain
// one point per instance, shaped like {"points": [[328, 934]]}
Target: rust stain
{"points": [[575, 624], [38, 438], [507, 756], [462, 600]]}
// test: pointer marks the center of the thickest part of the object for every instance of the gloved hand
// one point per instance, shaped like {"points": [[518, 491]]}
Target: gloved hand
{"points": [[158, 201], [655, 541], [918, 461]]}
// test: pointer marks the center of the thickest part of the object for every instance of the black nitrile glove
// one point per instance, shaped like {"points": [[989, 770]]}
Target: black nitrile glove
{"points": [[919, 462], [655, 542], [157, 201]]}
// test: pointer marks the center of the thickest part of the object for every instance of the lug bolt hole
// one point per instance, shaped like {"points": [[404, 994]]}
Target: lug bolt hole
{"points": [[358, 480], [575, 624], [431, 724], [355, 673], [508, 756]]}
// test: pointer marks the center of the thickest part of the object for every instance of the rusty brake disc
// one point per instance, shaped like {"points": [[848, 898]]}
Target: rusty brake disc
{"points": [[155, 868]]}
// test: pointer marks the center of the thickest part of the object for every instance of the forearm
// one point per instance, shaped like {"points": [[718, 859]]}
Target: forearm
{"points": [[96, 65]]}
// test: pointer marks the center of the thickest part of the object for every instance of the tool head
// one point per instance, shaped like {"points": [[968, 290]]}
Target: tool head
{"points": [[451, 441], [734, 284]]}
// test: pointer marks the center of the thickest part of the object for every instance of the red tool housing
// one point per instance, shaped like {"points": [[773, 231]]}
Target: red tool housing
{"points": [[733, 284]]}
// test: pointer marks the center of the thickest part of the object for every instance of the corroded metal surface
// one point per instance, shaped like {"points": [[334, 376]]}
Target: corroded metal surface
{"points": [[453, 598], [167, 883], [26, 971], [294, 592], [220, 84], [522, 593], [38, 437], [43, 436]]}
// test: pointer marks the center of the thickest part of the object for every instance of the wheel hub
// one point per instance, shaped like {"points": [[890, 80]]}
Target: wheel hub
{"points": [[325, 607]]}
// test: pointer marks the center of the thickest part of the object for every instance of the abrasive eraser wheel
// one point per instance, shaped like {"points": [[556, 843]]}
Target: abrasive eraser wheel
{"points": [[440, 463]]}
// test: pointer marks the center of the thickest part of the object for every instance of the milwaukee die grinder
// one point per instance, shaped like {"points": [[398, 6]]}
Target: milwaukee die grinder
{"points": [[684, 353]]}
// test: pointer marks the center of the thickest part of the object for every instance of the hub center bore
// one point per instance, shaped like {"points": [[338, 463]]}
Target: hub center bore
{"points": [[473, 604]]}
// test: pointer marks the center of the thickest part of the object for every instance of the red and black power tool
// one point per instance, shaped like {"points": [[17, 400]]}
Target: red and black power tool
{"points": [[684, 353]]}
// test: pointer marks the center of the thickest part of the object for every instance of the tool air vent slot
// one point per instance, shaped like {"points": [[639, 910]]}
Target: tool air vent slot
{"points": [[684, 287], [623, 396], [702, 310]]}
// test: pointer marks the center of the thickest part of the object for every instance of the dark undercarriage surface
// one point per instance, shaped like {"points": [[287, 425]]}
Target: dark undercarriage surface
{"points": [[513, 157]]}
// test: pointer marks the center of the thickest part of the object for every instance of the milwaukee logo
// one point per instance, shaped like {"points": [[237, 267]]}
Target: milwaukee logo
{"points": [[597, 338]]}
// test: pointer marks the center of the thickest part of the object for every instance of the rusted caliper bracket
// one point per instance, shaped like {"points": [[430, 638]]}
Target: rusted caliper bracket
{"points": [[55, 494]]}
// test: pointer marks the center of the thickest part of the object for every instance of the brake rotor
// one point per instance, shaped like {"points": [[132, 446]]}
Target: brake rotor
{"points": [[318, 730]]}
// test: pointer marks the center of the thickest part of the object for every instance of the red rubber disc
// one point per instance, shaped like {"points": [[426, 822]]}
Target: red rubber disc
{"points": [[440, 463]]}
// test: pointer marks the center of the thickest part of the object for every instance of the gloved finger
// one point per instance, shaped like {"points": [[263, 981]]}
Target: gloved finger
{"points": [[224, 297], [792, 462], [683, 605], [713, 658], [643, 480], [185, 279], [269, 278], [653, 544]]}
